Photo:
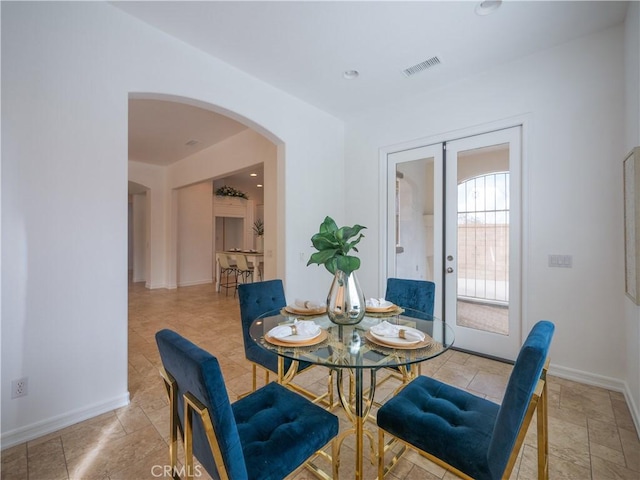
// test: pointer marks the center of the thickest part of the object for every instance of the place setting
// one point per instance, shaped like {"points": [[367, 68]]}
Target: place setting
{"points": [[397, 336], [307, 308], [379, 307], [300, 333]]}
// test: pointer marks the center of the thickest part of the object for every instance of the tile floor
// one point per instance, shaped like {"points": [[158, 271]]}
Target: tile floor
{"points": [[592, 435]]}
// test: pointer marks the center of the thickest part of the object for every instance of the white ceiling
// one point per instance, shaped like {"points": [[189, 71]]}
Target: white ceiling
{"points": [[159, 131], [303, 48]]}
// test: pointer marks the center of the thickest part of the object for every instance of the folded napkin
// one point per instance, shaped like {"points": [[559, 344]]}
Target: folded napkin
{"points": [[386, 329], [309, 304], [378, 302], [305, 328]]}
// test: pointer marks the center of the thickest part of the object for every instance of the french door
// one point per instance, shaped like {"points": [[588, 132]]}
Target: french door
{"points": [[454, 219]]}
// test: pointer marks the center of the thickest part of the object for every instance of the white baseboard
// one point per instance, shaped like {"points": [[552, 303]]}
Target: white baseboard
{"points": [[609, 383], [152, 286], [195, 282], [44, 427], [173, 286]]}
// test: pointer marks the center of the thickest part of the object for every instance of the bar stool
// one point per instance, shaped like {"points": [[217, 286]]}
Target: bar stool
{"points": [[226, 270], [243, 271]]}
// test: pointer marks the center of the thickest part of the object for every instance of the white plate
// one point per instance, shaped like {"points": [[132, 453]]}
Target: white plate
{"points": [[397, 340], [297, 338], [385, 308], [305, 311], [384, 304]]}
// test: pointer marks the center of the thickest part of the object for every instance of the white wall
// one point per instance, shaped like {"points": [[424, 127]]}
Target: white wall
{"points": [[138, 230], [68, 69], [632, 139], [158, 210], [195, 234], [572, 99]]}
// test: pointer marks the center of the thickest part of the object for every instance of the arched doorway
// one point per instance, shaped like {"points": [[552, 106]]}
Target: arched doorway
{"points": [[201, 156]]}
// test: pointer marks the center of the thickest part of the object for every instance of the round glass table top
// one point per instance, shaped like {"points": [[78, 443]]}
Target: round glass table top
{"points": [[379, 340]]}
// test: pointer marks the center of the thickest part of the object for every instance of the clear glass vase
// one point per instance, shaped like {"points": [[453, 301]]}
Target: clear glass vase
{"points": [[345, 302]]}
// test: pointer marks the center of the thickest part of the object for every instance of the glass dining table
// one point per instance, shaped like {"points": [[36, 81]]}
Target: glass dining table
{"points": [[391, 339]]}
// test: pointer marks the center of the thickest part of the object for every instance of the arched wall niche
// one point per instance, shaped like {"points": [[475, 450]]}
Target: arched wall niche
{"points": [[167, 241]]}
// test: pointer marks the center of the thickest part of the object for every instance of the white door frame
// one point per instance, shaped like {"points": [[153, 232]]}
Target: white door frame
{"points": [[467, 338], [525, 121]]}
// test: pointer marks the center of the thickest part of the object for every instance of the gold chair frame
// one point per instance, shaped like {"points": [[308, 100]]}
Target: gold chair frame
{"points": [[191, 405], [286, 380], [538, 401]]}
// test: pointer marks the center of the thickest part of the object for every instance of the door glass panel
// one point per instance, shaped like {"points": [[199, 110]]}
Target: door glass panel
{"points": [[483, 239], [414, 220]]}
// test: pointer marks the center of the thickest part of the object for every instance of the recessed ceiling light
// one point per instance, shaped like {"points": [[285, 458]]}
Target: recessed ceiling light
{"points": [[351, 74], [253, 174], [259, 185], [487, 7]]}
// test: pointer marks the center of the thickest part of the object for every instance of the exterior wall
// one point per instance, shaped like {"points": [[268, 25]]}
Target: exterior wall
{"points": [[483, 249]]}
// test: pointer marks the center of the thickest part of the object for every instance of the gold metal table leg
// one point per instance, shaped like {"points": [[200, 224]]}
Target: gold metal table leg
{"points": [[357, 413]]}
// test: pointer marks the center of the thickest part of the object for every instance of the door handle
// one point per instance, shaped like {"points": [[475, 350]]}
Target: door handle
{"points": [[449, 269]]}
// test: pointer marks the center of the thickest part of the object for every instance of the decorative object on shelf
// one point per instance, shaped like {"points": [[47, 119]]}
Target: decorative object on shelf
{"points": [[227, 191], [258, 230], [345, 301]]}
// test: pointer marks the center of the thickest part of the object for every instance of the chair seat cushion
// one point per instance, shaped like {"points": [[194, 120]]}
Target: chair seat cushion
{"points": [[442, 420], [279, 430]]}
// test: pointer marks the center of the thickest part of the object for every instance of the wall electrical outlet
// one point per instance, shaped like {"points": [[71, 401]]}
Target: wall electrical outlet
{"points": [[20, 387]]}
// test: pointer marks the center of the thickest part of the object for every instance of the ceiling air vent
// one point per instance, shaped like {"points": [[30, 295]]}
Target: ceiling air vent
{"points": [[431, 62]]}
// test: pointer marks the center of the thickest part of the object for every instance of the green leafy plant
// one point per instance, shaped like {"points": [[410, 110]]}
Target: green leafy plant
{"points": [[226, 191], [258, 227], [334, 244]]}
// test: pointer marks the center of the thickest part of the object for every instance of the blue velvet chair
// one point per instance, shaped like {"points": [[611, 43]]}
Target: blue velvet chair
{"points": [[256, 299], [266, 435], [464, 433], [418, 295]]}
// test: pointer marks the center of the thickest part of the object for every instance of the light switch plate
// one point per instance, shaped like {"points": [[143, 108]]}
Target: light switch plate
{"points": [[561, 261]]}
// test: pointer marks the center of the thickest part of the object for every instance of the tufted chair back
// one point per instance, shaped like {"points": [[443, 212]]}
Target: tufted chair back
{"points": [[198, 372], [522, 383], [255, 299], [413, 294]]}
